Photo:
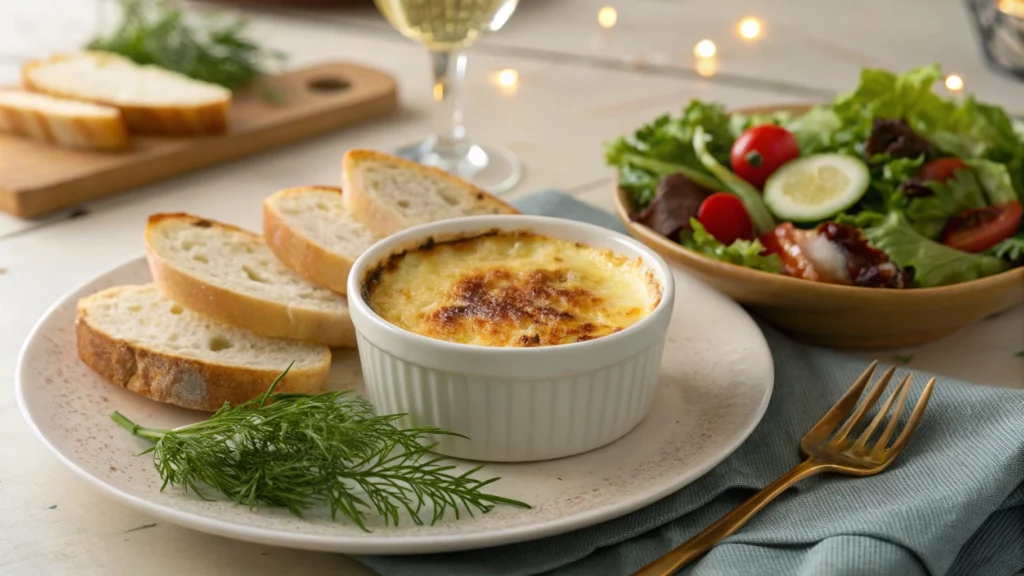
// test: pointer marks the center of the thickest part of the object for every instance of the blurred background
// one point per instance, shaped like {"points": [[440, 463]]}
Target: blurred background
{"points": [[812, 44], [579, 72]]}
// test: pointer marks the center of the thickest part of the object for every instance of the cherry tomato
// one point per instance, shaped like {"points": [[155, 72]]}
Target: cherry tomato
{"points": [[760, 151], [940, 170], [724, 217], [979, 229]]}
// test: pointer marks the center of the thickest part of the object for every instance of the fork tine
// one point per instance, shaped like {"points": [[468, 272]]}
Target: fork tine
{"points": [[845, 404], [883, 440], [900, 391], [913, 421], [866, 405]]}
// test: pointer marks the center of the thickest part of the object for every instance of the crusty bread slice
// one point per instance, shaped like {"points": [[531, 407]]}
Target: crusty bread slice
{"points": [[67, 123], [310, 230], [230, 274], [139, 339], [388, 194], [153, 100]]}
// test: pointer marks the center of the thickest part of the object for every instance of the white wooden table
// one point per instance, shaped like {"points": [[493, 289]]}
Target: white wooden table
{"points": [[579, 85]]}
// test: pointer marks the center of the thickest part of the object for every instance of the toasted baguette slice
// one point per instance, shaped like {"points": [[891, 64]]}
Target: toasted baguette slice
{"points": [[231, 275], [153, 100], [388, 194], [67, 123], [310, 230], [139, 339]]}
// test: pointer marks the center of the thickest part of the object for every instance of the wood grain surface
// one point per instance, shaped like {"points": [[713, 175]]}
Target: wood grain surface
{"points": [[37, 178]]}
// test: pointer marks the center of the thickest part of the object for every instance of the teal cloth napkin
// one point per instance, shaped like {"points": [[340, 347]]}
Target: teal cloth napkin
{"points": [[953, 503]]}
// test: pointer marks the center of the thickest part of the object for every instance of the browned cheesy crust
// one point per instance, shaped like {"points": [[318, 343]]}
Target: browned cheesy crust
{"points": [[511, 289]]}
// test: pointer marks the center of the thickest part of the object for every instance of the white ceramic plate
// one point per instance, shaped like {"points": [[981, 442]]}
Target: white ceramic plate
{"points": [[717, 378]]}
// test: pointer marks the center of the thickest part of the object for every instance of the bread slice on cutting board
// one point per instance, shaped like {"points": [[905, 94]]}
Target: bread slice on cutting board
{"points": [[309, 229], [153, 100], [230, 274], [60, 121], [388, 194], [141, 340]]}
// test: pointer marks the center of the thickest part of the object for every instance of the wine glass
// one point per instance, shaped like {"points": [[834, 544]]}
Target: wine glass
{"points": [[446, 28]]}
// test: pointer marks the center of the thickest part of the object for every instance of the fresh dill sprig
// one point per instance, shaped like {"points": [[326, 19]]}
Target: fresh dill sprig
{"points": [[299, 451], [209, 47]]}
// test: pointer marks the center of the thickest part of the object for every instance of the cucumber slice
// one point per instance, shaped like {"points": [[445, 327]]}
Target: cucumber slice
{"points": [[815, 187]]}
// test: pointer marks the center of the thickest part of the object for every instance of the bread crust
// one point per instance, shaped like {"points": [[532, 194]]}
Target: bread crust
{"points": [[186, 382], [381, 219], [263, 317], [300, 253], [210, 118], [82, 132]]}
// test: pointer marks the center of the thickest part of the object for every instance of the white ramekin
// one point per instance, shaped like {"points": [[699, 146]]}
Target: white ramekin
{"points": [[512, 404]]}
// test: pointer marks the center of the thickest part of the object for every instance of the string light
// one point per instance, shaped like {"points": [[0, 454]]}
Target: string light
{"points": [[954, 83], [707, 67], [507, 81], [607, 17], [508, 78], [750, 28], [705, 49], [1012, 7]]}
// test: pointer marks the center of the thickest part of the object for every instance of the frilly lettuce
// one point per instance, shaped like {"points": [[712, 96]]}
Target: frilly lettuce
{"points": [[1011, 249], [665, 146], [995, 180], [982, 184], [742, 252], [968, 129], [933, 264]]}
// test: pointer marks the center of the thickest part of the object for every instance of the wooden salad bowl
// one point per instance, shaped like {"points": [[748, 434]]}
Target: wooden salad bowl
{"points": [[836, 315]]}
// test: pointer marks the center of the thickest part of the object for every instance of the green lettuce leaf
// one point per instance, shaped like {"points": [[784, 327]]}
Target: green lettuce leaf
{"points": [[1011, 249], [862, 219], [884, 190], [929, 214], [742, 252], [933, 264], [820, 130], [888, 176], [742, 189], [883, 94], [982, 131], [983, 184], [641, 184], [995, 180], [740, 123], [665, 146], [967, 129], [661, 168]]}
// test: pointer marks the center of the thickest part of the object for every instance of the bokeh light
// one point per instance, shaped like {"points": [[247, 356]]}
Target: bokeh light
{"points": [[607, 17], [706, 67], [750, 28], [705, 49], [508, 77]]}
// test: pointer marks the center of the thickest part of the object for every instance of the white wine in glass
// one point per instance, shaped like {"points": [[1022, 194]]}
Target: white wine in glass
{"points": [[446, 28]]}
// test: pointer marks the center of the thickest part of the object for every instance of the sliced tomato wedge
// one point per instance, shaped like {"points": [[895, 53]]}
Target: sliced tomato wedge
{"points": [[940, 170], [785, 240], [979, 229]]}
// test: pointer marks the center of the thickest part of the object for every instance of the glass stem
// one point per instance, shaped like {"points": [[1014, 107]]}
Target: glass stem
{"points": [[449, 133]]}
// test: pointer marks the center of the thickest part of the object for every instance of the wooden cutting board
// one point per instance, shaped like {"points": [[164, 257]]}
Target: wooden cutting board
{"points": [[37, 178]]}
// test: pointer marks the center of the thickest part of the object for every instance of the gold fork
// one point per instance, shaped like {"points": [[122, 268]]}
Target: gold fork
{"points": [[825, 452]]}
